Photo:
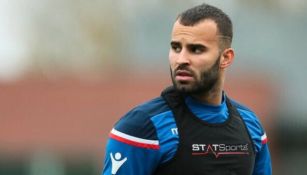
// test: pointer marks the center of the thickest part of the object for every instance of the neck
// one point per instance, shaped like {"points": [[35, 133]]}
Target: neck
{"points": [[212, 97]]}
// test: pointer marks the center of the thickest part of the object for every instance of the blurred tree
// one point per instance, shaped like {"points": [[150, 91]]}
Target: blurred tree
{"points": [[74, 36]]}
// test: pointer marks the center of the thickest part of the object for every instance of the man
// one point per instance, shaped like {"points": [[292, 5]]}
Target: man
{"points": [[193, 128]]}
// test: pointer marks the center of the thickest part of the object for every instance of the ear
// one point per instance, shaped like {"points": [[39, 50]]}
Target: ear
{"points": [[227, 58]]}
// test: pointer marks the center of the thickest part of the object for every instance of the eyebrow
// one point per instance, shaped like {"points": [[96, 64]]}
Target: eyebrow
{"points": [[196, 45], [175, 43], [189, 45]]}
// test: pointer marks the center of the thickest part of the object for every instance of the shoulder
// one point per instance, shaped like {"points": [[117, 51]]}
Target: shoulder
{"points": [[134, 137], [246, 113], [137, 122], [252, 123]]}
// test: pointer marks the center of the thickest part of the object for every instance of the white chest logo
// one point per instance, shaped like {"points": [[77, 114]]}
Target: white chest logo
{"points": [[174, 131], [117, 162]]}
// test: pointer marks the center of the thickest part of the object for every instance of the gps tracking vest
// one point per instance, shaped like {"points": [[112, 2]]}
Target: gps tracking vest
{"points": [[208, 149]]}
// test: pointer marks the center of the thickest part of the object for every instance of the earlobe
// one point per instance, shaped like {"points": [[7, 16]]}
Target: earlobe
{"points": [[227, 58]]}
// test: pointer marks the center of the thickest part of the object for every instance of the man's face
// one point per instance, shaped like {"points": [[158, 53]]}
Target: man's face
{"points": [[194, 57]]}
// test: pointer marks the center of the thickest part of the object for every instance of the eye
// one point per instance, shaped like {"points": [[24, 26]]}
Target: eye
{"points": [[197, 49], [176, 47]]}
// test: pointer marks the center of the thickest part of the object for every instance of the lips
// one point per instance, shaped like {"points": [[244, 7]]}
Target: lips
{"points": [[183, 75]]}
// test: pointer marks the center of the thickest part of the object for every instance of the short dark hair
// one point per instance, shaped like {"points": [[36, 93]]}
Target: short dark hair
{"points": [[204, 11]]}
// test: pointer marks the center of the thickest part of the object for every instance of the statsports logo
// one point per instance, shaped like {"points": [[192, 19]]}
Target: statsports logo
{"points": [[218, 150]]}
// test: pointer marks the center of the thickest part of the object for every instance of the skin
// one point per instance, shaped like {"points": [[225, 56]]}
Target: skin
{"points": [[197, 60]]}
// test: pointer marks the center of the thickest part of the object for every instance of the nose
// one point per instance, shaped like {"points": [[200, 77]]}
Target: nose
{"points": [[183, 58]]}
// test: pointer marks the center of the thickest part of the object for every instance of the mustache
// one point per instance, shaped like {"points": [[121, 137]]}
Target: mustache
{"points": [[183, 68]]}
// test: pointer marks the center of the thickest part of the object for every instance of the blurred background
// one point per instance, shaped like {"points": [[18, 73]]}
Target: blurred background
{"points": [[69, 69]]}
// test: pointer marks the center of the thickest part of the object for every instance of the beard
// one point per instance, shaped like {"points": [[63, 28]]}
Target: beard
{"points": [[201, 85]]}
